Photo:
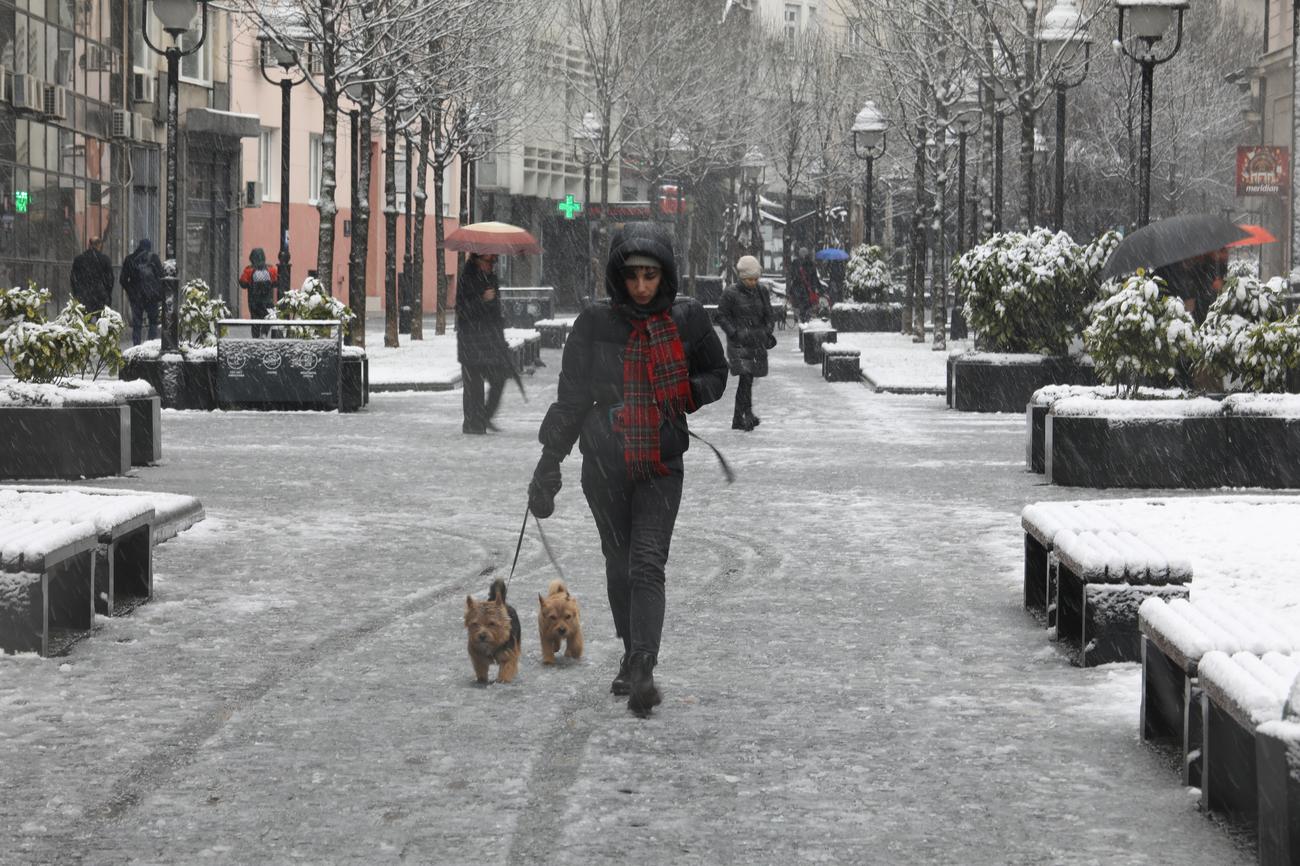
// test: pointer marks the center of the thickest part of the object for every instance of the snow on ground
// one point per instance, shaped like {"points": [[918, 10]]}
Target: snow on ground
{"points": [[892, 362]]}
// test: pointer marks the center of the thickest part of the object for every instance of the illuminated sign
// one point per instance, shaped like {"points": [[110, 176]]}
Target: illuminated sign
{"points": [[569, 207], [21, 199]]}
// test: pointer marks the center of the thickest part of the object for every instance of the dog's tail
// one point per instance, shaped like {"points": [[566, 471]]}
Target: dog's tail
{"points": [[498, 591], [557, 587]]}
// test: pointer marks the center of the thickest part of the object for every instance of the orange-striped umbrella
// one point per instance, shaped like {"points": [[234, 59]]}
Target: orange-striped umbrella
{"points": [[1255, 235], [492, 237]]}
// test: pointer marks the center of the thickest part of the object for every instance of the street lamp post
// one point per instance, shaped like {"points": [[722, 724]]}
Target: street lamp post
{"points": [[1148, 20], [965, 120], [752, 167], [869, 129], [176, 17], [286, 57], [356, 92], [1060, 42], [586, 144]]}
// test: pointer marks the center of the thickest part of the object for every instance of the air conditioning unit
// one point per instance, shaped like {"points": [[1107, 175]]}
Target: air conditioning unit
{"points": [[144, 88], [56, 102], [5, 77], [142, 128], [123, 123], [253, 193], [28, 93], [101, 58]]}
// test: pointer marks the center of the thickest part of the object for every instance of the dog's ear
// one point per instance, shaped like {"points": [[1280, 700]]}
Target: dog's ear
{"points": [[469, 603], [568, 595], [541, 602]]}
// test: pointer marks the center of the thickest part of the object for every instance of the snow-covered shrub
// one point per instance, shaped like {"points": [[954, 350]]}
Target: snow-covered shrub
{"points": [[1138, 332], [104, 342], [867, 279], [39, 351], [1266, 353], [199, 314], [311, 302], [1028, 292], [1243, 303], [22, 302]]}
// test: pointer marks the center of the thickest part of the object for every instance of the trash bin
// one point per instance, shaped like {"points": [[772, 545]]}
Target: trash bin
{"points": [[522, 306], [708, 290]]}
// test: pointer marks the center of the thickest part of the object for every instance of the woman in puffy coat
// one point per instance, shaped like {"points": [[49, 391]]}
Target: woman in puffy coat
{"points": [[745, 316], [634, 365]]}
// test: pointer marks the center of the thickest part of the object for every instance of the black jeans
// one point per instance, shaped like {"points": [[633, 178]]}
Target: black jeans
{"points": [[635, 520], [744, 399], [139, 311], [478, 412]]}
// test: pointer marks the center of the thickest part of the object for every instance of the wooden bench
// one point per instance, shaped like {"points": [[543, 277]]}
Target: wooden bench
{"points": [[124, 531], [1277, 787], [811, 341], [1239, 693], [47, 584], [1101, 579], [1041, 522], [1176, 635], [841, 363]]}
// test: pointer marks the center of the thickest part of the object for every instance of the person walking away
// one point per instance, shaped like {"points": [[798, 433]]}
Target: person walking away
{"points": [[92, 277], [141, 279], [745, 316], [259, 279], [634, 365], [806, 285], [480, 342], [835, 272]]}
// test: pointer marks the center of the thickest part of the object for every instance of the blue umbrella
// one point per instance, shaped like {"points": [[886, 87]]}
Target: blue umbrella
{"points": [[832, 254]]}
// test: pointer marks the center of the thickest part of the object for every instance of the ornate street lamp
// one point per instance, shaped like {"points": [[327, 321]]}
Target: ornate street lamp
{"points": [[752, 166], [965, 119], [999, 101], [286, 57], [586, 146], [1065, 45], [1148, 20], [360, 96], [868, 129], [176, 17]]}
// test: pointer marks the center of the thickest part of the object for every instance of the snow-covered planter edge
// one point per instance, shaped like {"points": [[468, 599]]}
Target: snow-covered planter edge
{"points": [[996, 382], [853, 316], [1043, 399]]}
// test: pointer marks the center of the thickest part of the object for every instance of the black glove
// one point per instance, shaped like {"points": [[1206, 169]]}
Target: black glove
{"points": [[771, 341], [545, 484]]}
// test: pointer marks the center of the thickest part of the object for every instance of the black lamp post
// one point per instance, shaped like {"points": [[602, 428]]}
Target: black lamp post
{"points": [[286, 57], [868, 130], [1062, 39], [752, 167], [357, 93], [176, 17], [965, 120], [1148, 20], [586, 143]]}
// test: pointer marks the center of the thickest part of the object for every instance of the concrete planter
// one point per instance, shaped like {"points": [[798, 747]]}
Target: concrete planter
{"points": [[146, 430], [1188, 452], [867, 317], [1262, 451], [67, 442], [187, 382], [991, 382]]}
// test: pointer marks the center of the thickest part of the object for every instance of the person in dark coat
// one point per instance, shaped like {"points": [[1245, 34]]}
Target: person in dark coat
{"points": [[259, 279], [805, 285], [634, 365], [480, 342], [745, 316], [92, 277], [141, 280]]}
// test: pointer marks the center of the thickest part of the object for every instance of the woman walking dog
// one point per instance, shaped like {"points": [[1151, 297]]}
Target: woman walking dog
{"points": [[634, 366]]}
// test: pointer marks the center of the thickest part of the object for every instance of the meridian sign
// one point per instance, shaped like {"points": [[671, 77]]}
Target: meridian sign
{"points": [[1262, 170]]}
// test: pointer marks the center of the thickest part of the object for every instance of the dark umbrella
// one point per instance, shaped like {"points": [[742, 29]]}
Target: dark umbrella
{"points": [[832, 254], [1171, 240]]}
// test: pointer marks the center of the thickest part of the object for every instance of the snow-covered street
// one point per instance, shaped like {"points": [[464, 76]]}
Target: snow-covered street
{"points": [[848, 674]]}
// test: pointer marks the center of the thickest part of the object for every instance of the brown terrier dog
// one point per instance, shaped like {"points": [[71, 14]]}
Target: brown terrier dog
{"points": [[558, 622], [494, 634]]}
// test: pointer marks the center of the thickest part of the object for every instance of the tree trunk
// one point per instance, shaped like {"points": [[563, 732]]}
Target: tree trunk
{"points": [[919, 214], [440, 254], [390, 222], [417, 264], [1027, 162], [361, 219], [326, 206], [939, 317]]}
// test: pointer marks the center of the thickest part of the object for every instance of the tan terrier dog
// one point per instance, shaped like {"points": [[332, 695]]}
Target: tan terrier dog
{"points": [[494, 634], [558, 621]]}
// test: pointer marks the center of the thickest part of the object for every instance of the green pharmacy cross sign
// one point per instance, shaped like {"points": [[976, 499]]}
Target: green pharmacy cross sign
{"points": [[21, 200], [570, 207]]}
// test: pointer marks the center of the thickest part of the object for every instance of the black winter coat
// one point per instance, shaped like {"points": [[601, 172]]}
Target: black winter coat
{"points": [[480, 325], [745, 316], [591, 373], [92, 279], [141, 276]]}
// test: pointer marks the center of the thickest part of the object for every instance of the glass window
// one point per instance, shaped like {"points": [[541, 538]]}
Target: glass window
{"points": [[36, 143], [197, 67], [7, 217], [791, 21], [142, 57], [268, 160], [314, 169]]}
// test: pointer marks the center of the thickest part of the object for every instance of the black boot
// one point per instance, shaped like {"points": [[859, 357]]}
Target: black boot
{"points": [[753, 420], [622, 685], [644, 696]]}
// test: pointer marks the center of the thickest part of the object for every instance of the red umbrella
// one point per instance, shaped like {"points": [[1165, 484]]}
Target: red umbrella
{"points": [[1255, 235], [492, 237]]}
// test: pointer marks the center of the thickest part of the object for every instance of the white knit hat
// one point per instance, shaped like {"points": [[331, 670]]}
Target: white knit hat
{"points": [[748, 267]]}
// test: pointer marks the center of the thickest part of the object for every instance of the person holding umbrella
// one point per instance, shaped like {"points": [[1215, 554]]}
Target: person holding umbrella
{"points": [[481, 346], [634, 365]]}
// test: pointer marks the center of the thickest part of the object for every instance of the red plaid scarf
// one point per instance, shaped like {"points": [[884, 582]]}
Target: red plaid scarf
{"points": [[655, 378]]}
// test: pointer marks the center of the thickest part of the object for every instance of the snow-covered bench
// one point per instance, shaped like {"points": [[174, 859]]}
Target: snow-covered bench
{"points": [[47, 584], [1041, 522], [1240, 693], [1101, 579], [841, 363], [553, 332], [811, 340], [1277, 786], [1176, 635]]}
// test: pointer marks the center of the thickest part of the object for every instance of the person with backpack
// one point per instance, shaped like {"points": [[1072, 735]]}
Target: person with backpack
{"points": [[259, 279], [141, 280]]}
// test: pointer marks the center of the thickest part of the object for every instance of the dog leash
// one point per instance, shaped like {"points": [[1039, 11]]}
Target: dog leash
{"points": [[727, 472], [550, 554]]}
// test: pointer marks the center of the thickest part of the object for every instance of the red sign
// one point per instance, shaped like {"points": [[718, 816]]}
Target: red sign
{"points": [[1263, 170]]}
